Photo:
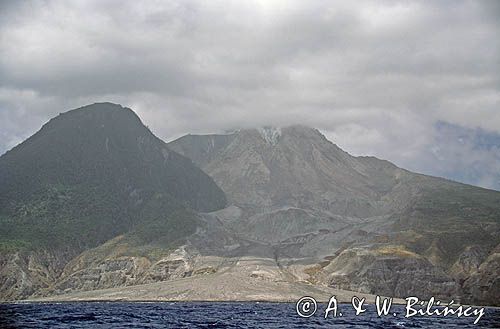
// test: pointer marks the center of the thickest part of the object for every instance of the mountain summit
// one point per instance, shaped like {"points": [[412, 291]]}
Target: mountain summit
{"points": [[105, 141], [297, 166], [362, 223], [89, 175]]}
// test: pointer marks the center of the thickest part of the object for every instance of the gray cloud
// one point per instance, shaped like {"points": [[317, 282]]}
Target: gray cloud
{"points": [[467, 155], [375, 76]]}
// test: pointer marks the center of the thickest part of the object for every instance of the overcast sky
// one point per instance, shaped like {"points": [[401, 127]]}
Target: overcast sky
{"points": [[417, 83]]}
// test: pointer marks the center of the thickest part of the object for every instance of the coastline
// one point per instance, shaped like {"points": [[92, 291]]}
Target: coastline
{"points": [[396, 301]]}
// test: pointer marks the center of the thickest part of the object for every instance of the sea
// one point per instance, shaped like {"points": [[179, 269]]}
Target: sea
{"points": [[92, 315]]}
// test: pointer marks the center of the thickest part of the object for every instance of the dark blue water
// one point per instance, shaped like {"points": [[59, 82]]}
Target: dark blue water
{"points": [[214, 315]]}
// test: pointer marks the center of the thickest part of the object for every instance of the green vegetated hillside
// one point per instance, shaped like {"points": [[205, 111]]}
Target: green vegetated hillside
{"points": [[92, 174]]}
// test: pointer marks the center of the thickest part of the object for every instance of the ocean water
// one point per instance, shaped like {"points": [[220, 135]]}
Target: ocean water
{"points": [[215, 315]]}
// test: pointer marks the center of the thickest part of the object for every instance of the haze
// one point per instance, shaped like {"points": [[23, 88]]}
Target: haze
{"points": [[413, 82]]}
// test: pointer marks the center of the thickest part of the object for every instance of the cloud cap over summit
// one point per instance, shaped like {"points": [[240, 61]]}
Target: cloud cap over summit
{"points": [[375, 77]]}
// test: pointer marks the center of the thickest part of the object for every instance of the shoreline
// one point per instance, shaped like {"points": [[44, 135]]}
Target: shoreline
{"points": [[234, 287], [396, 301]]}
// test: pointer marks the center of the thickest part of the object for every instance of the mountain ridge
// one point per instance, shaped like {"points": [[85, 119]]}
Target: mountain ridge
{"points": [[353, 217], [272, 211], [85, 177]]}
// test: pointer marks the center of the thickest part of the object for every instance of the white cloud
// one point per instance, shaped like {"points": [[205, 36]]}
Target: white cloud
{"points": [[375, 76]]}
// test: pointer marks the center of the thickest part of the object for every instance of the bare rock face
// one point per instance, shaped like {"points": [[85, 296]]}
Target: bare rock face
{"points": [[176, 265], [109, 273], [389, 271], [15, 282], [123, 271], [117, 264], [468, 262], [24, 274], [483, 286]]}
